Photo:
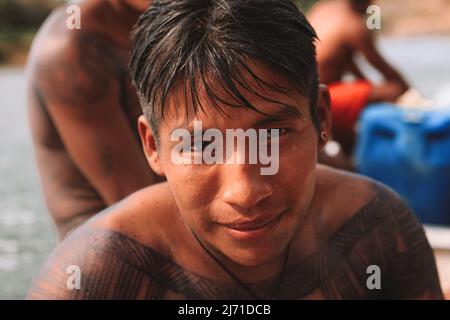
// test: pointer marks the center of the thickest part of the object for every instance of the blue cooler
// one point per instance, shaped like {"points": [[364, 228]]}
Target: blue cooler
{"points": [[409, 150]]}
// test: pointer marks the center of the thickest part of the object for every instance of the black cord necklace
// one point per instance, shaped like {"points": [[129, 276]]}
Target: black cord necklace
{"points": [[275, 289]]}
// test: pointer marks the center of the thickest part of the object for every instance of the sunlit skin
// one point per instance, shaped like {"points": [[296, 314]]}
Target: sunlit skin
{"points": [[145, 247], [244, 217], [75, 77]]}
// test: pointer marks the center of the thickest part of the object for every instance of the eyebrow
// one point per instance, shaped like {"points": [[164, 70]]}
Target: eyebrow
{"points": [[286, 113]]}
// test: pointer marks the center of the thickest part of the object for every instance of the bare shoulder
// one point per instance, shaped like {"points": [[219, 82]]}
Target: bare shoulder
{"points": [[57, 31], [366, 223], [116, 254], [143, 216], [71, 66], [356, 31], [346, 192], [356, 189], [345, 195], [52, 36], [96, 263]]}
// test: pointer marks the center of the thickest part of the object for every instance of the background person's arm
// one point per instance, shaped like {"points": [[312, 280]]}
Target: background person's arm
{"points": [[356, 71], [394, 85], [80, 82]]}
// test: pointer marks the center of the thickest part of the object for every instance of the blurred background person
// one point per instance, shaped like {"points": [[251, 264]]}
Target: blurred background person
{"points": [[342, 30], [83, 111]]}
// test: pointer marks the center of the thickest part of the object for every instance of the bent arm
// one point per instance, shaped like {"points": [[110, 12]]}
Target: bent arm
{"points": [[363, 41]]}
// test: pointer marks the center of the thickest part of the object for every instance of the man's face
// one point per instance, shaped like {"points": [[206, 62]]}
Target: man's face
{"points": [[244, 215]]}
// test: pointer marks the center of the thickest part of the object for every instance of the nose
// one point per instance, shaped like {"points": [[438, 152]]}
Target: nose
{"points": [[244, 187]]}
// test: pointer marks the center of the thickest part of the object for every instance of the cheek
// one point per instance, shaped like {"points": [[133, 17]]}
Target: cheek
{"points": [[193, 189], [296, 178], [298, 158]]}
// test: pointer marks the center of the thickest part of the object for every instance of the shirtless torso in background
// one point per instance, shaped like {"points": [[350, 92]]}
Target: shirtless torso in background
{"points": [[83, 111], [341, 26], [342, 31], [334, 55]]}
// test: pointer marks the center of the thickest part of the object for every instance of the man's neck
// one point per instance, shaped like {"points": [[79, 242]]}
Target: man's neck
{"points": [[246, 274]]}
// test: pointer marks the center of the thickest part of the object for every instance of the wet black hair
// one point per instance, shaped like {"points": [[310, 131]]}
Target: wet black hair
{"points": [[182, 43]]}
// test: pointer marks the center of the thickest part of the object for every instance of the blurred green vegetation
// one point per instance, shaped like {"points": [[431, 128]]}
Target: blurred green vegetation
{"points": [[19, 21]]}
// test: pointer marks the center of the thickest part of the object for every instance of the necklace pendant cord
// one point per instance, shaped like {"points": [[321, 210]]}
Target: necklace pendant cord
{"points": [[276, 288]]}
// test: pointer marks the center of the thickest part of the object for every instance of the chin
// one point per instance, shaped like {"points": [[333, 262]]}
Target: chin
{"points": [[258, 249], [260, 254]]}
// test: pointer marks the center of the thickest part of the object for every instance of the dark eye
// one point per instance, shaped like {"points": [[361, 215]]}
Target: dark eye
{"points": [[199, 146], [281, 132]]}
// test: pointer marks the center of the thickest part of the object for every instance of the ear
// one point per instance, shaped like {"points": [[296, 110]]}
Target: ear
{"points": [[324, 114], [150, 145]]}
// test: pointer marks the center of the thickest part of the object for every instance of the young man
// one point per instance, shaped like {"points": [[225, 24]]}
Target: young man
{"points": [[233, 230], [83, 111], [342, 29]]}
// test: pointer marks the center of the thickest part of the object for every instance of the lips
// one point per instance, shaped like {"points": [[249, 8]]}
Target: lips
{"points": [[253, 230], [251, 225]]}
